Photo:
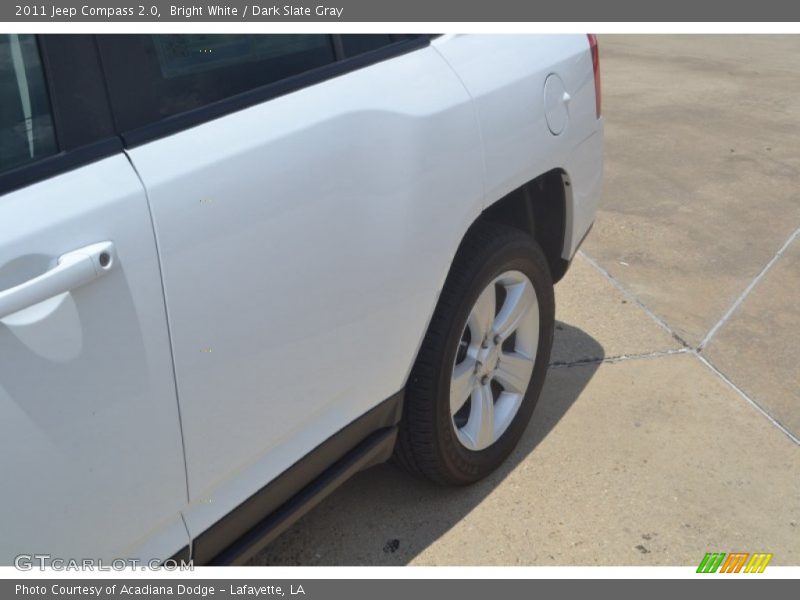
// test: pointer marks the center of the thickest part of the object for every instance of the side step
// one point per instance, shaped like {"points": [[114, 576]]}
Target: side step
{"points": [[376, 448]]}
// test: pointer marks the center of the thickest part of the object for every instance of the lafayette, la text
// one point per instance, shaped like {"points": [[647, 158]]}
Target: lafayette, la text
{"points": [[151, 589]]}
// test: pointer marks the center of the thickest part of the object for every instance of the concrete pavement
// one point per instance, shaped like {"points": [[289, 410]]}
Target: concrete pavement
{"points": [[670, 422]]}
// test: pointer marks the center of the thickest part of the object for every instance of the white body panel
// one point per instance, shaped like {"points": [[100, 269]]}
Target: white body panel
{"points": [[295, 237], [90, 447], [505, 75]]}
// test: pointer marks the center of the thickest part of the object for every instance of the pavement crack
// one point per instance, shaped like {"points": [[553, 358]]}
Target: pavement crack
{"points": [[732, 309], [746, 396], [616, 283], [688, 349], [615, 359]]}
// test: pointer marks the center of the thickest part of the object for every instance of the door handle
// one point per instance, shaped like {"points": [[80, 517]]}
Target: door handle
{"points": [[73, 270]]}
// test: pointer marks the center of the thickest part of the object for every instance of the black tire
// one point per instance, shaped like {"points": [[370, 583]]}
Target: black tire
{"points": [[427, 443]]}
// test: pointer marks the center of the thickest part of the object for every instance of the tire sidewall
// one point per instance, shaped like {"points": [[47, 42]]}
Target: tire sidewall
{"points": [[522, 255]]}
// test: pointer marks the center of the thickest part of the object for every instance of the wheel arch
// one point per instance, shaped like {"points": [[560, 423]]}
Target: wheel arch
{"points": [[541, 208]]}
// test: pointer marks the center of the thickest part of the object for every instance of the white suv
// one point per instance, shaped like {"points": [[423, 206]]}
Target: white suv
{"points": [[234, 270]]}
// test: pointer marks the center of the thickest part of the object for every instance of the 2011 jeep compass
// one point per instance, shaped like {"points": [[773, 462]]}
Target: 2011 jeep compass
{"points": [[236, 269]]}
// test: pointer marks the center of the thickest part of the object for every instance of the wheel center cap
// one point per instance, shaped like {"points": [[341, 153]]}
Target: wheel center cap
{"points": [[488, 358]]}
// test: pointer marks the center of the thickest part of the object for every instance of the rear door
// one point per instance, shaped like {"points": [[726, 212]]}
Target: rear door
{"points": [[90, 447], [308, 193]]}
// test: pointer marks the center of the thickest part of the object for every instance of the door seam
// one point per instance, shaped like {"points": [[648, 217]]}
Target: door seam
{"points": [[169, 327]]}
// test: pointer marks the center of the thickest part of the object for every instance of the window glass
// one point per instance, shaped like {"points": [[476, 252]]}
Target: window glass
{"points": [[154, 77], [26, 125], [354, 44]]}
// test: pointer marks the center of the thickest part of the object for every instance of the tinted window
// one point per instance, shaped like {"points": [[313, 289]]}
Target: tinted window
{"points": [[153, 77], [26, 126], [354, 44]]}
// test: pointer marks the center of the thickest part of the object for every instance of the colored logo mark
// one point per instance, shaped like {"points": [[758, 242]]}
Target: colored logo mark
{"points": [[734, 562]]}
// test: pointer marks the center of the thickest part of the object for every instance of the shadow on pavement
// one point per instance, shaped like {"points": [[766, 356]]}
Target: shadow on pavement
{"points": [[384, 516]]}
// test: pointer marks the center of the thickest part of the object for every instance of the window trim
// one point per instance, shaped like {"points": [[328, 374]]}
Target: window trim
{"points": [[57, 164], [73, 150], [108, 140], [214, 110]]}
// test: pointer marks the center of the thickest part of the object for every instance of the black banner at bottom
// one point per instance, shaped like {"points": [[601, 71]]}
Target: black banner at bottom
{"points": [[382, 589]]}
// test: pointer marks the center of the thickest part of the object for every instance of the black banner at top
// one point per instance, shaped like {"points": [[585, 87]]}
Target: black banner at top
{"points": [[399, 11]]}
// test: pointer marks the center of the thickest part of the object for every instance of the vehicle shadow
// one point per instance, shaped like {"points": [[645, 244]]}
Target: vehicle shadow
{"points": [[384, 516]]}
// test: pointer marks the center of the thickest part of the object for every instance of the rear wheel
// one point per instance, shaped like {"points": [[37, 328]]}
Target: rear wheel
{"points": [[483, 361]]}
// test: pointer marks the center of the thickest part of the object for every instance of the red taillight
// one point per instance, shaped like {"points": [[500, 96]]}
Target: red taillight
{"points": [[596, 67]]}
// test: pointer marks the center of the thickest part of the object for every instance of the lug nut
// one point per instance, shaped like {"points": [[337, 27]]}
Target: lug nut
{"points": [[497, 339], [484, 380]]}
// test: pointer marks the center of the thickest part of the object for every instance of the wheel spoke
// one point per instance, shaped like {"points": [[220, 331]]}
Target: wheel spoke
{"points": [[520, 298], [482, 315], [485, 367], [514, 372], [461, 384], [480, 426]]}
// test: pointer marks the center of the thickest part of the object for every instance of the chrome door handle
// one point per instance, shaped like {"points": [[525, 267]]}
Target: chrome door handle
{"points": [[73, 270]]}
